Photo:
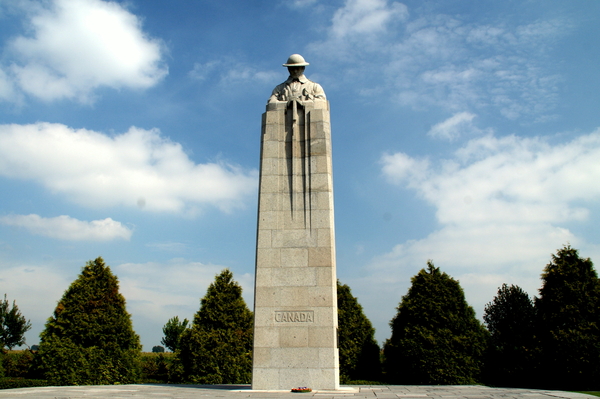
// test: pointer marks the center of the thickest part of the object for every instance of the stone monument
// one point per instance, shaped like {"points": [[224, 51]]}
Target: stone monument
{"points": [[295, 298]]}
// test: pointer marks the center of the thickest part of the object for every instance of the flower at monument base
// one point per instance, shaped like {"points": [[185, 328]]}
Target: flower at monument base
{"points": [[301, 389]]}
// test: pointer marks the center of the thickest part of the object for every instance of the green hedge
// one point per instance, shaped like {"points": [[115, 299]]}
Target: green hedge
{"points": [[19, 368], [19, 364], [11, 382], [155, 366]]}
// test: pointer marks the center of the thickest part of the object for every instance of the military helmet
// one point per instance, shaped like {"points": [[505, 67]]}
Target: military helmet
{"points": [[295, 60]]}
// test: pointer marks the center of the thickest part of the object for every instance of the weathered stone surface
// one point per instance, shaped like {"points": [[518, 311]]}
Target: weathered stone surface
{"points": [[272, 375], [295, 333]]}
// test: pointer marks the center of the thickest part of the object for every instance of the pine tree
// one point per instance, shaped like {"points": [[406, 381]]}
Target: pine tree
{"points": [[13, 325], [90, 339], [510, 319], [217, 348], [568, 325], [436, 338], [359, 352], [172, 331]]}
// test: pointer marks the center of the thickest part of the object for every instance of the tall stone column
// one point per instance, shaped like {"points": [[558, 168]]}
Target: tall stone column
{"points": [[295, 303]]}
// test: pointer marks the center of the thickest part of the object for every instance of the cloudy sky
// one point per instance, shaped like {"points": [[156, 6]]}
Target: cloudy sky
{"points": [[466, 132]]}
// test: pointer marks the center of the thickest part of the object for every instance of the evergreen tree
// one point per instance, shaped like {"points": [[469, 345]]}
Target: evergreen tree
{"points": [[13, 325], [217, 348], [359, 352], [89, 339], [568, 323], [436, 338], [510, 320], [172, 331]]}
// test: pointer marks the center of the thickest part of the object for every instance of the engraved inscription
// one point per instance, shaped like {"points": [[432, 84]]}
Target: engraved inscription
{"points": [[305, 316]]}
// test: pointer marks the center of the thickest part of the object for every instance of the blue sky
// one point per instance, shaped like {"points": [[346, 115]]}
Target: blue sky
{"points": [[466, 132]]}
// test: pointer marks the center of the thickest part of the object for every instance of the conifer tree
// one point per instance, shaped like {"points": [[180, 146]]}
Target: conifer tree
{"points": [[90, 339], [436, 338], [510, 319], [172, 331], [217, 348], [13, 325], [568, 325], [359, 352]]}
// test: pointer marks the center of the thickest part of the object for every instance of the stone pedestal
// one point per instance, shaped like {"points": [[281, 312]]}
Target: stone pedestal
{"points": [[295, 303]]}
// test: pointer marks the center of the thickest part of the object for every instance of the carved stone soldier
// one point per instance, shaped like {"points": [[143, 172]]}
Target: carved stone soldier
{"points": [[297, 86]]}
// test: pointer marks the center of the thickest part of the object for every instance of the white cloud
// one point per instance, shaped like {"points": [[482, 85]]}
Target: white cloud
{"points": [[509, 179], [229, 72], [503, 205], [240, 73], [357, 27], [434, 60], [363, 17], [154, 289], [487, 248], [453, 127], [157, 291], [175, 247], [202, 71], [137, 168], [36, 290], [7, 90], [399, 167], [67, 228], [443, 61], [77, 46], [299, 3]]}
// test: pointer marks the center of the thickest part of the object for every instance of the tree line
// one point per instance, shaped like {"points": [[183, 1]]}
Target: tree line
{"points": [[550, 341]]}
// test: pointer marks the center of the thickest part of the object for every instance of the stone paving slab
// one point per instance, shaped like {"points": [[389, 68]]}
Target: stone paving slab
{"points": [[243, 391]]}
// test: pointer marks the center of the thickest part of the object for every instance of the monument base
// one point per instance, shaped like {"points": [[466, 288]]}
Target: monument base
{"points": [[340, 390]]}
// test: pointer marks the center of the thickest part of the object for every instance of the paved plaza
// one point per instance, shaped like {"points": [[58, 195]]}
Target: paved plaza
{"points": [[244, 391]]}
